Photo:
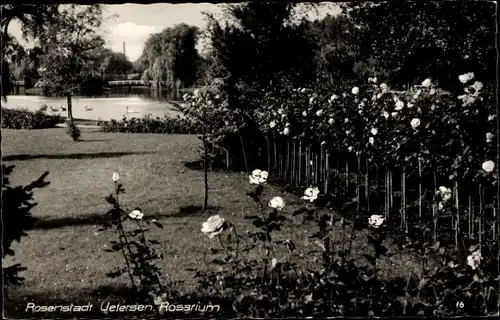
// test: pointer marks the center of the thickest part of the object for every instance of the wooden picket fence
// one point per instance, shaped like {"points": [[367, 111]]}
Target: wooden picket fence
{"points": [[401, 194]]}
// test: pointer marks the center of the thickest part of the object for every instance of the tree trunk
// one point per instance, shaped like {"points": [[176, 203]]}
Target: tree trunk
{"points": [[70, 110]]}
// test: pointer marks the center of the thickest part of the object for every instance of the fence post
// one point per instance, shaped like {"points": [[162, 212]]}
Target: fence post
{"points": [[327, 171], [300, 163]]}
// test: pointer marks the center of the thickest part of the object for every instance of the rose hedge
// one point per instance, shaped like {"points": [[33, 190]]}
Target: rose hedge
{"points": [[148, 124], [451, 134]]}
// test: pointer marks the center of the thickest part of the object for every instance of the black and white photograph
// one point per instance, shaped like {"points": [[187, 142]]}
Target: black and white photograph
{"points": [[250, 160]]}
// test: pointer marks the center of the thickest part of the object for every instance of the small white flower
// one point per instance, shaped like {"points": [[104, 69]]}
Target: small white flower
{"points": [[185, 97], [445, 193], [427, 83], [350, 148], [489, 137], [277, 203], [384, 87], [310, 162], [304, 113], [371, 140], [488, 166], [116, 177], [376, 220], [136, 214], [319, 112], [196, 93], [415, 122], [433, 107], [477, 86], [432, 91], [272, 124], [286, 131], [217, 97], [280, 111], [331, 121], [409, 105], [395, 98], [379, 96], [311, 194], [303, 90], [386, 114], [374, 79], [474, 259], [394, 114], [355, 90], [323, 143], [374, 131], [399, 105], [311, 100], [334, 97], [213, 226], [346, 120], [258, 176], [466, 77], [491, 117]]}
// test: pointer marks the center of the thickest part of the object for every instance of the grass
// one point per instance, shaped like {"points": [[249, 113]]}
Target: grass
{"points": [[64, 254]]}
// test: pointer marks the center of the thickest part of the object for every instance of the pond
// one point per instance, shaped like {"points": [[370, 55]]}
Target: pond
{"points": [[94, 108]]}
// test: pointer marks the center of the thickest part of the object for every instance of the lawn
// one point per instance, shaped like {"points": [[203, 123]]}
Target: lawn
{"points": [[64, 254]]}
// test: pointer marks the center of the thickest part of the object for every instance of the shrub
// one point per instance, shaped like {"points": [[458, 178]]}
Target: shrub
{"points": [[25, 119], [148, 124], [73, 131]]}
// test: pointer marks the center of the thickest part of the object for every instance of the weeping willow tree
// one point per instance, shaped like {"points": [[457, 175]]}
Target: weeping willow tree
{"points": [[170, 57]]}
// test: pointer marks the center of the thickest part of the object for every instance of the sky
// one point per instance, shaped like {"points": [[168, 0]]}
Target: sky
{"points": [[133, 23]]}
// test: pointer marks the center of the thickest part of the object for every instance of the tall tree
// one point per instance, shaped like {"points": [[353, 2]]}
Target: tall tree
{"points": [[32, 18], [71, 41], [171, 56], [259, 49]]}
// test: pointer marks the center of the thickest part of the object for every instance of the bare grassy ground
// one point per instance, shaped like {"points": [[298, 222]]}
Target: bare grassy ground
{"points": [[65, 256]]}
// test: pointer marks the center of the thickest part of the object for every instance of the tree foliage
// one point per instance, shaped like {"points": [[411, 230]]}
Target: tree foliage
{"points": [[32, 18], [171, 56], [71, 42], [433, 38], [260, 48]]}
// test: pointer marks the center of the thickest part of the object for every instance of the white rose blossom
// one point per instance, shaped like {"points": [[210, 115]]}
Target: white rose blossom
{"points": [[311, 194], [272, 124], [466, 77], [116, 176], [319, 112], [415, 123], [427, 83], [488, 166], [489, 137], [371, 140], [355, 90], [258, 176], [376, 221], [474, 259], [374, 131], [331, 121], [399, 106], [277, 203], [213, 226], [136, 214]]}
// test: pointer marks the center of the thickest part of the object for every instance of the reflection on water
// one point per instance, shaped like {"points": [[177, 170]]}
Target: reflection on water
{"points": [[111, 105]]}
